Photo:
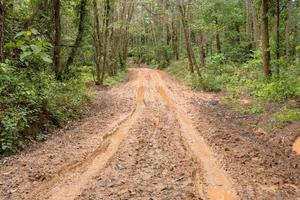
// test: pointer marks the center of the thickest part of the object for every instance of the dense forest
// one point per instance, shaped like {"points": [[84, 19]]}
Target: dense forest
{"points": [[51, 49]]}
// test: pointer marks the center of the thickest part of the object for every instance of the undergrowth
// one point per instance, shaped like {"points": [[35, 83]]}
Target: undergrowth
{"points": [[247, 90], [32, 101]]}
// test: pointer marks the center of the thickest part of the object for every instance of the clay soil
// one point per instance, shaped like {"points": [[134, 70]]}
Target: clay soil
{"points": [[153, 138]]}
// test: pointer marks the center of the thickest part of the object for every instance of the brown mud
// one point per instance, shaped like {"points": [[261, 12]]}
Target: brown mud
{"points": [[152, 138]]}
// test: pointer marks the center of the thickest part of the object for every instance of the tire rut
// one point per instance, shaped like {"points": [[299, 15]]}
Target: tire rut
{"points": [[71, 180], [146, 166], [217, 183]]}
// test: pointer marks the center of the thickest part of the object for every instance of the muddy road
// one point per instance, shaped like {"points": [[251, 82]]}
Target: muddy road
{"points": [[147, 139]]}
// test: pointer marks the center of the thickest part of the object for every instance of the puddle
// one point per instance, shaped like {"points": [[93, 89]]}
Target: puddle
{"points": [[217, 194], [296, 146]]}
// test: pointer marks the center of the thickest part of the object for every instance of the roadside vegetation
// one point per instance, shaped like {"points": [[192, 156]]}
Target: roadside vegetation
{"points": [[48, 60], [243, 88]]}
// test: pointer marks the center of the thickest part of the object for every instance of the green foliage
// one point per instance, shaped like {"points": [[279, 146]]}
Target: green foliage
{"points": [[29, 48], [284, 117], [115, 80], [279, 89], [28, 95]]}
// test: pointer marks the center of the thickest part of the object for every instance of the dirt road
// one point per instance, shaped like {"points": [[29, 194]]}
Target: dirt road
{"points": [[145, 141]]}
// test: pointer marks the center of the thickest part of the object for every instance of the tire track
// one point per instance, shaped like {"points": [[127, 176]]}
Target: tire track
{"points": [[218, 184], [72, 179]]}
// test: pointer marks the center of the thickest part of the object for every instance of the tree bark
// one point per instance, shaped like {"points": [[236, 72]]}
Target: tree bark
{"points": [[106, 37], [288, 28], [265, 38], [256, 28], [57, 40], [277, 39], [218, 40], [202, 50], [191, 57], [80, 32], [175, 40], [2, 19], [97, 40]]}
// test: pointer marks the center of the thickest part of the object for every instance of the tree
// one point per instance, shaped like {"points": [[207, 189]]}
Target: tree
{"points": [[97, 43], [57, 40], [191, 56], [277, 37], [265, 38], [80, 32], [288, 27], [2, 19]]}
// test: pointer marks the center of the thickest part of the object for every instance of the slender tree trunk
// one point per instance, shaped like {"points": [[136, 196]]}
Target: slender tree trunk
{"points": [[277, 35], [256, 28], [192, 61], [106, 38], [129, 18], [202, 50], [218, 40], [80, 32], [265, 38], [2, 19], [175, 40], [288, 28], [57, 40], [97, 40]]}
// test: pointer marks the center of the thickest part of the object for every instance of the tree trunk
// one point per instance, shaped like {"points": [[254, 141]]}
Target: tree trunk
{"points": [[106, 37], [97, 40], [287, 29], [80, 32], [175, 40], [57, 40], [277, 35], [192, 61], [129, 18], [265, 38], [218, 40], [2, 19], [202, 50], [256, 28]]}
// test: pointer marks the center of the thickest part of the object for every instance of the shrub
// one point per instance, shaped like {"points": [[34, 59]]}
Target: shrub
{"points": [[279, 89], [284, 117], [27, 95]]}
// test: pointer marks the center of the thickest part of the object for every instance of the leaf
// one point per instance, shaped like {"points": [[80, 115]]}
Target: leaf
{"points": [[25, 55], [36, 49], [46, 58], [34, 31], [19, 34], [20, 43]]}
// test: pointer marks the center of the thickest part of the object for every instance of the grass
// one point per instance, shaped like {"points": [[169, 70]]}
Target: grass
{"points": [[112, 81], [283, 117]]}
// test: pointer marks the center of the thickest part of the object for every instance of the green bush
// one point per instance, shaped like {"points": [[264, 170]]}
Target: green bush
{"points": [[279, 89], [284, 117], [26, 95]]}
